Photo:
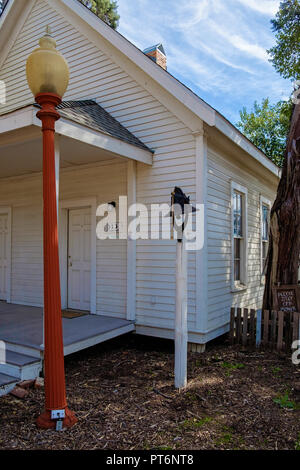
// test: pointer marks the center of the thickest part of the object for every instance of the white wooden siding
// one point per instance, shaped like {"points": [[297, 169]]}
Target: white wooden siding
{"points": [[24, 194], [221, 171], [95, 75]]}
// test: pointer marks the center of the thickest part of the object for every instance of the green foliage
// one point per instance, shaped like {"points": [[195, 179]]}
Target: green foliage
{"points": [[285, 402], [267, 126], [196, 423], [230, 366], [285, 55], [297, 445], [105, 9], [229, 439]]}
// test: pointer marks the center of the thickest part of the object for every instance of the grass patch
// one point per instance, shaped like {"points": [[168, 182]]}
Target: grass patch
{"points": [[276, 370], [196, 423], [229, 367], [227, 439], [284, 401], [297, 445]]}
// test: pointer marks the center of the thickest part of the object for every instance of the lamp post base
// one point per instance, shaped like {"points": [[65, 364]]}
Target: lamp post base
{"points": [[44, 421]]}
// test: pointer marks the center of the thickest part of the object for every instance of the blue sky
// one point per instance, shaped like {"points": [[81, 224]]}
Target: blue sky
{"points": [[216, 47]]}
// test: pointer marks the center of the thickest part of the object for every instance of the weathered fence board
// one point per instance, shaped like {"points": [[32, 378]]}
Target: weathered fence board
{"points": [[274, 330]]}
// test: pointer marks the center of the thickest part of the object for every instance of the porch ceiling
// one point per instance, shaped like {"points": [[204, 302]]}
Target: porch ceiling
{"points": [[25, 156], [21, 144]]}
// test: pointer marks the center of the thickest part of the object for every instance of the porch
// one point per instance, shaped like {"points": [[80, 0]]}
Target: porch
{"points": [[95, 159], [21, 331], [21, 328]]}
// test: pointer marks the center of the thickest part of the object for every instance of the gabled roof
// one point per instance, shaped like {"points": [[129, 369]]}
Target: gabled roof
{"points": [[182, 94], [92, 115]]}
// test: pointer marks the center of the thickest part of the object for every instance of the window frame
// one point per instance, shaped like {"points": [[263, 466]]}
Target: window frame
{"points": [[263, 202], [237, 286]]}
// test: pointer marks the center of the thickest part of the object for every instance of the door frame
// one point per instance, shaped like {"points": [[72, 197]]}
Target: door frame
{"points": [[6, 210], [64, 207]]}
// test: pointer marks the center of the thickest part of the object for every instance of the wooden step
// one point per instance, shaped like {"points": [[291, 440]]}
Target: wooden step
{"points": [[7, 383], [22, 366]]}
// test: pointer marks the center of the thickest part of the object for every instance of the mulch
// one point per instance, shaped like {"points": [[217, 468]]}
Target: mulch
{"points": [[122, 393]]}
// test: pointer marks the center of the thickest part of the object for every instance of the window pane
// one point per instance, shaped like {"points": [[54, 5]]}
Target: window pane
{"points": [[237, 270], [265, 223], [264, 254], [237, 215], [237, 259]]}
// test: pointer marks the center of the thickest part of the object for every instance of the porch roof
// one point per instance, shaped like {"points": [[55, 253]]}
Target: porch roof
{"points": [[91, 114], [88, 135]]}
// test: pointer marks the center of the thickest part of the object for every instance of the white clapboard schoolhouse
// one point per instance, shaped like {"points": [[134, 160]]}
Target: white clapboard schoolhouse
{"points": [[127, 128]]}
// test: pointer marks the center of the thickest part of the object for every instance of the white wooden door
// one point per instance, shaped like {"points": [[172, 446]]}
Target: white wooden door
{"points": [[3, 255], [79, 259]]}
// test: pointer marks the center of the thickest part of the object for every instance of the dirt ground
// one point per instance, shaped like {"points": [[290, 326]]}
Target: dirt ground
{"points": [[123, 395]]}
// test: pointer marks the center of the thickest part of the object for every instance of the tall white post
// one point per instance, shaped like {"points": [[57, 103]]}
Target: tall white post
{"points": [[131, 245], [181, 330]]}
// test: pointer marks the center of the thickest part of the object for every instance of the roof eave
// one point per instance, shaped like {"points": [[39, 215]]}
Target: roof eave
{"points": [[230, 131], [26, 118]]}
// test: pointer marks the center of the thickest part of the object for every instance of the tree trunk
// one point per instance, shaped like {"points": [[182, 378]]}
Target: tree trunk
{"points": [[284, 239]]}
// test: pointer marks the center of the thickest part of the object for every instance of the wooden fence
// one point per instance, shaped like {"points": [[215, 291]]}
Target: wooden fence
{"points": [[274, 330]]}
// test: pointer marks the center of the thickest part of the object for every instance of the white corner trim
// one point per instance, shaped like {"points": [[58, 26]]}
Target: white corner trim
{"points": [[201, 255], [8, 210], [64, 206], [131, 246], [243, 190]]}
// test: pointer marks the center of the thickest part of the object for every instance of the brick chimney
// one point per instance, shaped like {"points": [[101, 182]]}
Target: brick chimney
{"points": [[157, 54]]}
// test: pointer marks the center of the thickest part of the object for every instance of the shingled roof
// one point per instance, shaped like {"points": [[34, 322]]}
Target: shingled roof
{"points": [[91, 114]]}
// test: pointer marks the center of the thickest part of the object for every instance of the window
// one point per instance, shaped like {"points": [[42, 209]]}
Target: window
{"points": [[265, 206], [239, 237]]}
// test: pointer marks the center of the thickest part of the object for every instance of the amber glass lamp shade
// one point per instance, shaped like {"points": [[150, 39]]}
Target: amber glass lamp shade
{"points": [[46, 69]]}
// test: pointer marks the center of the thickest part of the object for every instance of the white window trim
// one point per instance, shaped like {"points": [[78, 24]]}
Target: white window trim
{"points": [[236, 286], [263, 202]]}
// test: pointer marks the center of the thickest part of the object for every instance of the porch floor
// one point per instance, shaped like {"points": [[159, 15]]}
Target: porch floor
{"points": [[23, 325]]}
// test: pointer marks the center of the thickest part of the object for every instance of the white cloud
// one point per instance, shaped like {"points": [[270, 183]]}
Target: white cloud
{"points": [[252, 49], [266, 7], [212, 51], [193, 12], [217, 47]]}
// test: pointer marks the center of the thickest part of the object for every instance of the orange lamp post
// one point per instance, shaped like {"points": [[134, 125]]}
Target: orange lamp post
{"points": [[48, 78]]}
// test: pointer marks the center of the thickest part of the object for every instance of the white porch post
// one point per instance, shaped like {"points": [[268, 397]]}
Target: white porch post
{"points": [[181, 330], [201, 255], [131, 245]]}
